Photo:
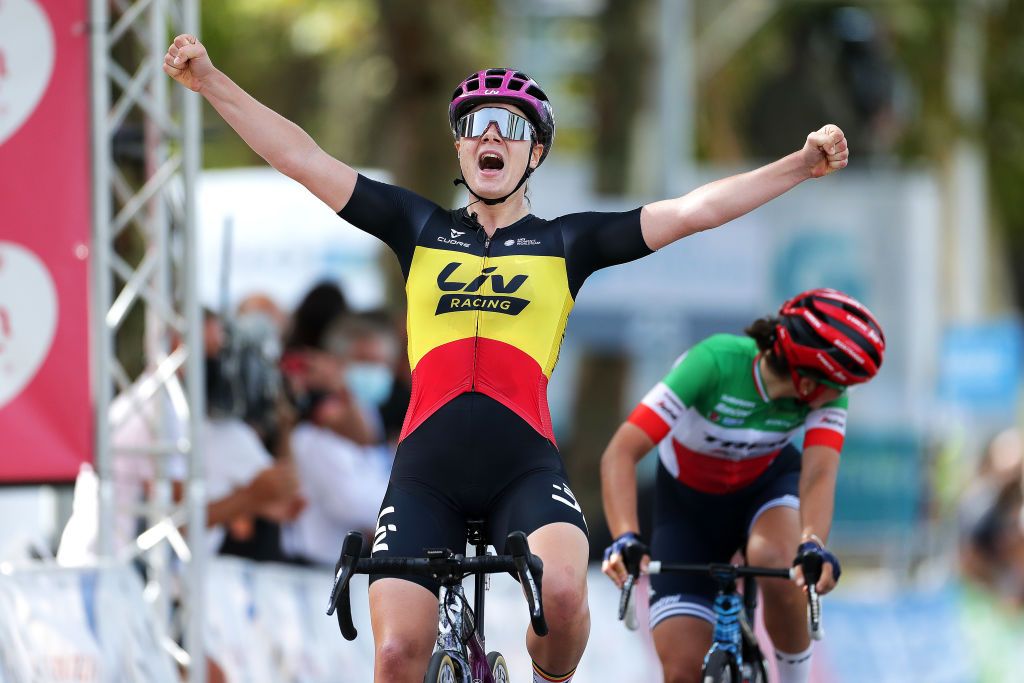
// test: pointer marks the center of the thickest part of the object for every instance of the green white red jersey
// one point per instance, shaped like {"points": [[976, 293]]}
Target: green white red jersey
{"points": [[716, 428]]}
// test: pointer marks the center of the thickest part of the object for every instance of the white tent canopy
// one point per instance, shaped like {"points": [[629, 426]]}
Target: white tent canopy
{"points": [[282, 239]]}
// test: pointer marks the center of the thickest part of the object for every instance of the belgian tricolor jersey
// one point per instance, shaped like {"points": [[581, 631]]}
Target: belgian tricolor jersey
{"points": [[488, 315]]}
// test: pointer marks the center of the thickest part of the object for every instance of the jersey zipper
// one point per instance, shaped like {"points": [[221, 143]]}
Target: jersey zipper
{"points": [[476, 334]]}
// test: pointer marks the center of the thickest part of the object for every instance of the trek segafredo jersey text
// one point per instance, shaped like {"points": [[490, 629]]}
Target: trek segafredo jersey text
{"points": [[715, 426]]}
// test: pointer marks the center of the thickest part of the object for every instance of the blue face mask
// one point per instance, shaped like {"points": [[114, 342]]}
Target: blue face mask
{"points": [[370, 383]]}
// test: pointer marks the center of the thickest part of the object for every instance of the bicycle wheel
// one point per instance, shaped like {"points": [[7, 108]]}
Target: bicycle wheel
{"points": [[442, 669], [755, 672], [720, 667], [496, 663]]}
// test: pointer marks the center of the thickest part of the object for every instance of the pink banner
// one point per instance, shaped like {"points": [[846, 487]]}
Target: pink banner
{"points": [[45, 404]]}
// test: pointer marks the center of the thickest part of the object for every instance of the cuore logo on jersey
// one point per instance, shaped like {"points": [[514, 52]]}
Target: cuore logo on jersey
{"points": [[467, 298]]}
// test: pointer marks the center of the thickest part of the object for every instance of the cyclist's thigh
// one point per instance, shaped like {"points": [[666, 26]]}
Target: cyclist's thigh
{"points": [[413, 518], [404, 619], [681, 644], [690, 527], [774, 513], [565, 550], [535, 500]]}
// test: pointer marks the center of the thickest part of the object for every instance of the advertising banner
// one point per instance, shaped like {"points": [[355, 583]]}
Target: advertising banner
{"points": [[45, 411]]}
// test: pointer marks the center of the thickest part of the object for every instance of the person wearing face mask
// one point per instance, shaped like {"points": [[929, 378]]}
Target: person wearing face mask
{"points": [[372, 372], [342, 478], [490, 287], [730, 478]]}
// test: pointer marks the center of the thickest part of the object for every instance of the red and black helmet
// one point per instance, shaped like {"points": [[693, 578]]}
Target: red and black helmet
{"points": [[831, 336]]}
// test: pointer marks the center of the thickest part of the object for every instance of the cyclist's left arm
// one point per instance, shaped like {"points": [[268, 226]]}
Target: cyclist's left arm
{"points": [[817, 501], [826, 432], [721, 201]]}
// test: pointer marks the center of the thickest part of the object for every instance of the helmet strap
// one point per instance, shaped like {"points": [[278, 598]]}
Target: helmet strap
{"points": [[461, 180]]}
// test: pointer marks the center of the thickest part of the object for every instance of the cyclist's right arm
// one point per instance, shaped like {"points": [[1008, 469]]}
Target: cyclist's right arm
{"points": [[283, 144], [618, 489]]}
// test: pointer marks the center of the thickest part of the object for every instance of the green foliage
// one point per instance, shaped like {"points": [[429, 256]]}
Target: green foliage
{"points": [[367, 79], [1003, 132]]}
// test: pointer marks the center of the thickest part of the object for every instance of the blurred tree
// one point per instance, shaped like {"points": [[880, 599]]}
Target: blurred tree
{"points": [[368, 79], [432, 47], [1003, 131], [619, 90]]}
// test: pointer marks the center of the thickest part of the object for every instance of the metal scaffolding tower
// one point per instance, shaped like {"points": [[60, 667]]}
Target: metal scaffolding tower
{"points": [[146, 158]]}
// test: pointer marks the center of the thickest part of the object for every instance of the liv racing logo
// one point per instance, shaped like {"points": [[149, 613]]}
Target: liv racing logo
{"points": [[467, 298], [568, 499], [381, 534]]}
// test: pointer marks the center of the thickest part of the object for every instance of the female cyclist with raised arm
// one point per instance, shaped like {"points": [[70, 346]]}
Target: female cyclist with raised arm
{"points": [[730, 478], [489, 292]]}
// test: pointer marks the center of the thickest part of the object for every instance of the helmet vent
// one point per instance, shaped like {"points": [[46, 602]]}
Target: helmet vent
{"points": [[517, 83], [458, 91], [537, 92], [492, 82], [496, 72], [473, 85]]}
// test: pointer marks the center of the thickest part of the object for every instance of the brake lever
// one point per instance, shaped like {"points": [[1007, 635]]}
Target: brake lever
{"points": [[627, 603], [814, 608], [632, 555], [340, 598], [530, 570], [812, 566]]}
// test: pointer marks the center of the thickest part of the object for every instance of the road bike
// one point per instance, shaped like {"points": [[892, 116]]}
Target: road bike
{"points": [[735, 655], [460, 654]]}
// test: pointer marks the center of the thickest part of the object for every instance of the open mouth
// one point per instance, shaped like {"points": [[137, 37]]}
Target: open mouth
{"points": [[490, 161]]}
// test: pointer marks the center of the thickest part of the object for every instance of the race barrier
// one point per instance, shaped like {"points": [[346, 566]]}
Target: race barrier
{"points": [[266, 623], [61, 625]]}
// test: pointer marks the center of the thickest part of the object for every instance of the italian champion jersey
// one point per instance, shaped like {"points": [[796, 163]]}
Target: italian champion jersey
{"points": [[715, 426], [488, 315]]}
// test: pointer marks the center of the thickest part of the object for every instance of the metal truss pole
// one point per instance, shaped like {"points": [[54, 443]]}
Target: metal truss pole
{"points": [[148, 189]]}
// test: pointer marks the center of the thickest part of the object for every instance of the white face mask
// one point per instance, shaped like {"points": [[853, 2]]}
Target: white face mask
{"points": [[370, 383]]}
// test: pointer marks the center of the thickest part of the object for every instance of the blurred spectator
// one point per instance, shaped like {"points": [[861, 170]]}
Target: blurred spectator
{"points": [[992, 535], [337, 451], [377, 371], [242, 480], [251, 493], [263, 305], [321, 306]]}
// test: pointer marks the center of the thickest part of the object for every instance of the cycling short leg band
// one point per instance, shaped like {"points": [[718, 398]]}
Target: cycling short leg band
{"points": [[794, 668], [542, 676]]}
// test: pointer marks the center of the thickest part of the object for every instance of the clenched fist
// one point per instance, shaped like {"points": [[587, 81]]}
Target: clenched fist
{"points": [[825, 151], [186, 61]]}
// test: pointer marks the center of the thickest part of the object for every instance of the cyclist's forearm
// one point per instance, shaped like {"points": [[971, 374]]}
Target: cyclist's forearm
{"points": [[720, 201], [817, 492], [282, 143], [618, 481]]}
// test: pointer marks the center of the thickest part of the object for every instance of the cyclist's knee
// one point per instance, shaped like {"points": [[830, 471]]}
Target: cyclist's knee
{"points": [[682, 671], [766, 552], [397, 654], [565, 600]]}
